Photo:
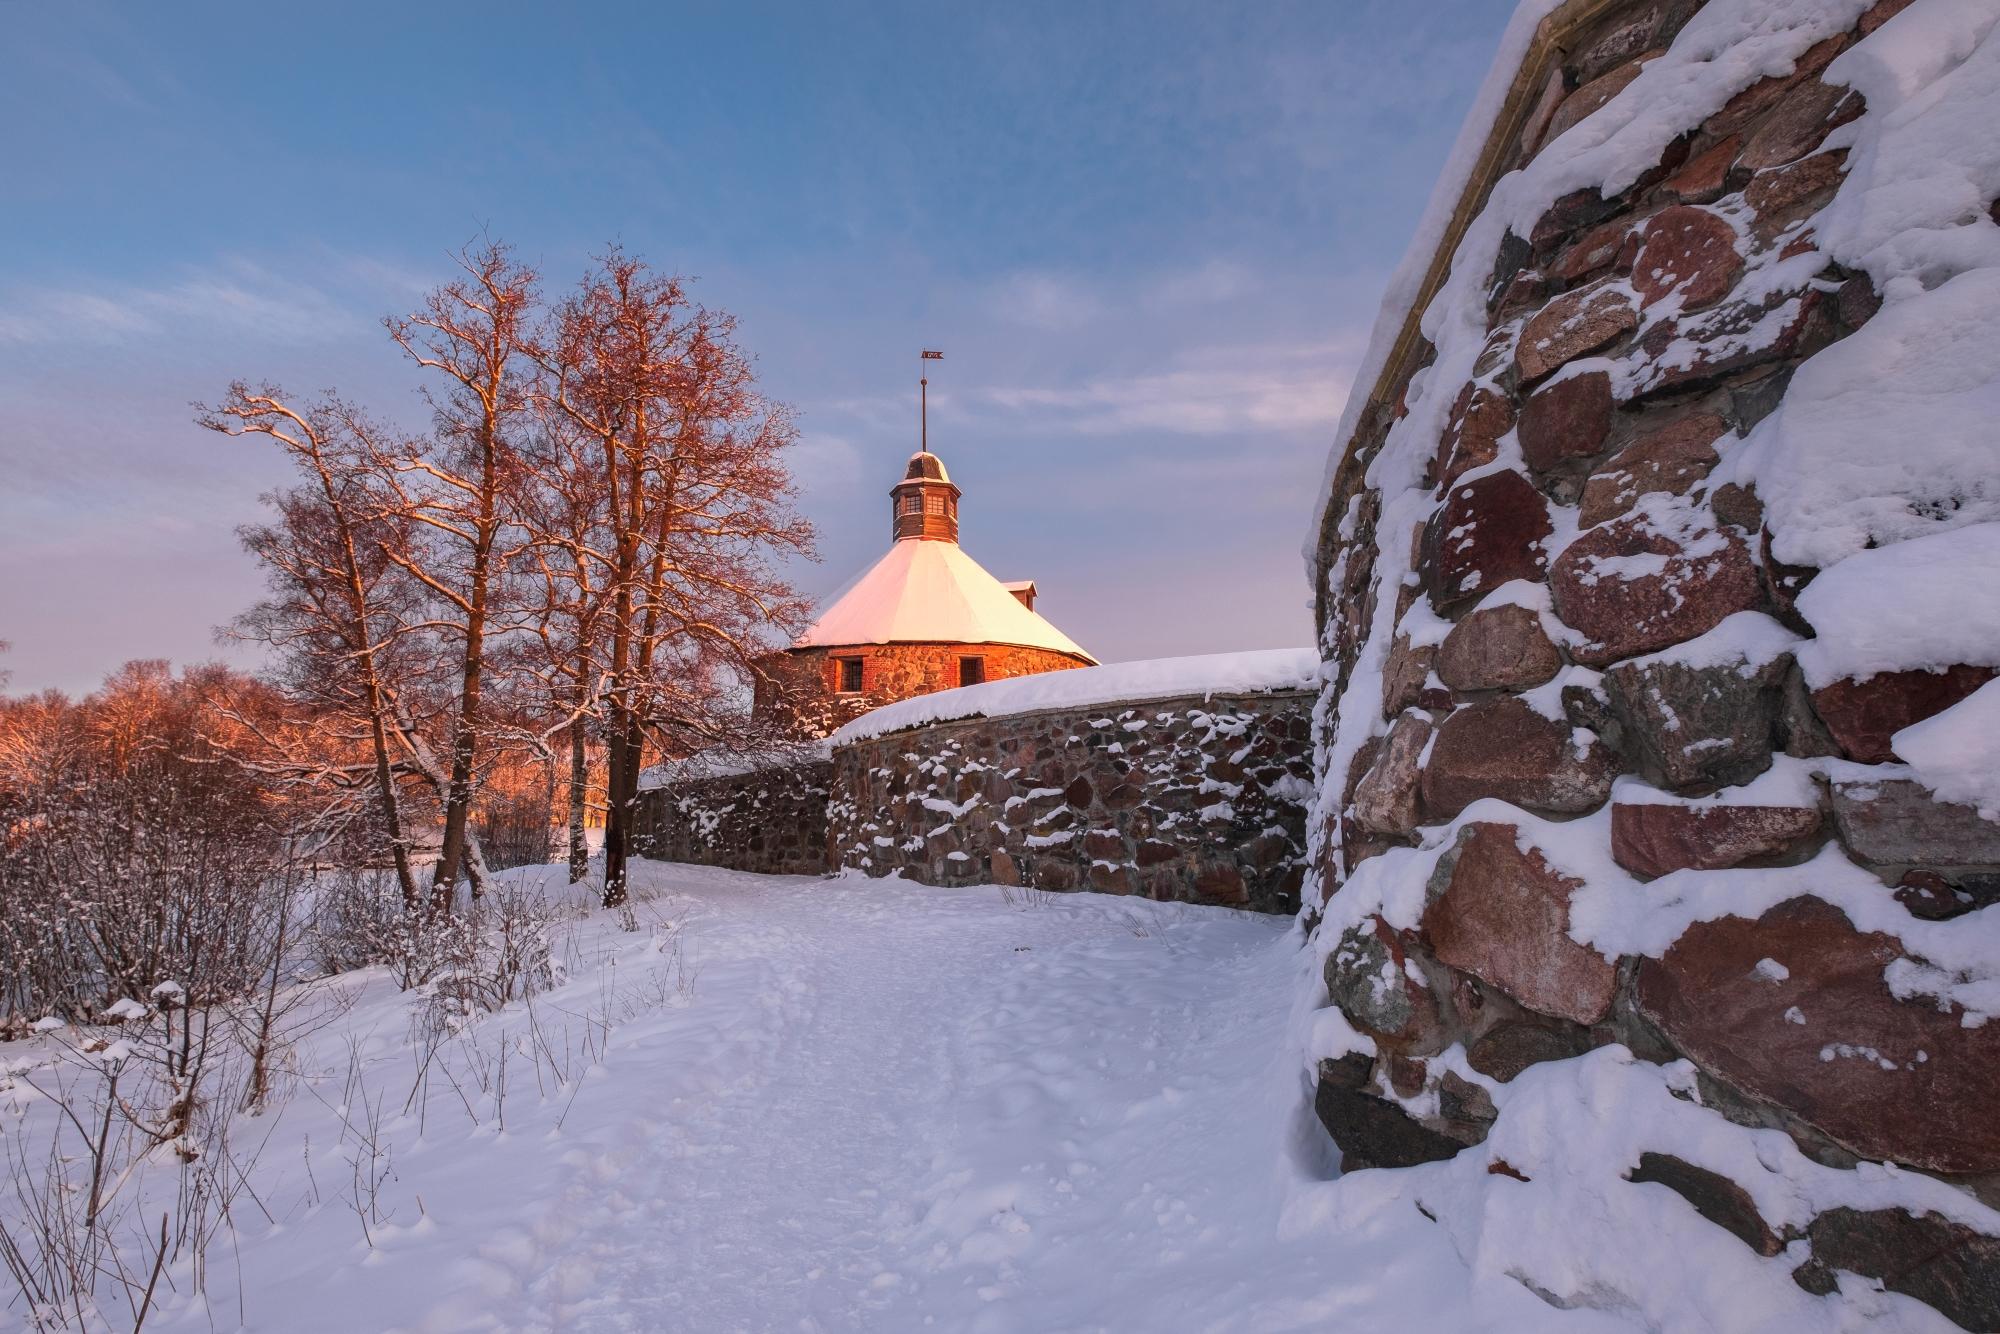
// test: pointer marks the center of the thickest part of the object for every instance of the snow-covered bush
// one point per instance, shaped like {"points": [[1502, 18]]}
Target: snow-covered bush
{"points": [[135, 849]]}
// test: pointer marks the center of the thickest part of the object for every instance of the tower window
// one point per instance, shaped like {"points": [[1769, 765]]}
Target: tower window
{"points": [[971, 671], [913, 503], [850, 675], [934, 503]]}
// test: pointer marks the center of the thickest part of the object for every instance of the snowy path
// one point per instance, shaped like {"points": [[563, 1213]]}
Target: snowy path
{"points": [[1005, 1119], [878, 1107]]}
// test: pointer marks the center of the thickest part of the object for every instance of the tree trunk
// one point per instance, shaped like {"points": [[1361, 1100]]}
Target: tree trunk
{"points": [[579, 792], [622, 782], [458, 796]]}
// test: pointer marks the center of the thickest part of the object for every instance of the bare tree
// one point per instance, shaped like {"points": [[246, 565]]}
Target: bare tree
{"points": [[696, 501], [333, 607], [582, 550], [565, 605], [456, 491]]}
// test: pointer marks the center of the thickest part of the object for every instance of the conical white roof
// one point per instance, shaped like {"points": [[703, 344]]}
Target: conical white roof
{"points": [[928, 592]]}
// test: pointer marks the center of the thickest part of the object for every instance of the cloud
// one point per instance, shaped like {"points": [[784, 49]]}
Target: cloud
{"points": [[1215, 391], [1057, 302], [1212, 283], [1046, 301], [236, 296], [823, 462]]}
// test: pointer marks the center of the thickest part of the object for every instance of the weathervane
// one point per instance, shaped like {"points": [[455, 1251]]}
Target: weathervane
{"points": [[924, 399]]}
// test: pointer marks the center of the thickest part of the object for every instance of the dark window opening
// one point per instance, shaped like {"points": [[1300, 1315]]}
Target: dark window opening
{"points": [[850, 675], [971, 671]]}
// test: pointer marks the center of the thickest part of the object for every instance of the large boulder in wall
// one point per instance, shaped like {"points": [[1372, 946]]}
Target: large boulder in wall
{"points": [[1794, 1008]]}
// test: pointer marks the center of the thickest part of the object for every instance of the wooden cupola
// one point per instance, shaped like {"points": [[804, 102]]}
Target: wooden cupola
{"points": [[924, 504]]}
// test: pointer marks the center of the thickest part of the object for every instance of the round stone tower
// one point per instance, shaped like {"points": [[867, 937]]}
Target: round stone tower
{"points": [[924, 617]]}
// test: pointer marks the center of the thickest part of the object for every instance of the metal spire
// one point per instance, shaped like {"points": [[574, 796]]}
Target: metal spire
{"points": [[924, 400]]}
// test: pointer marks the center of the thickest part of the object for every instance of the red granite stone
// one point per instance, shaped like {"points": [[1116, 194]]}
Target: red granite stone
{"points": [[1671, 459], [1498, 648], [1880, 13], [1783, 195], [1723, 339], [1595, 94], [1566, 419], [1655, 840], [1756, 101], [1486, 532], [1690, 251], [1479, 417], [1603, 246], [1704, 177], [1793, 1009], [1864, 715], [1630, 587], [1385, 801], [1799, 123], [1503, 748], [1502, 915], [1571, 325]]}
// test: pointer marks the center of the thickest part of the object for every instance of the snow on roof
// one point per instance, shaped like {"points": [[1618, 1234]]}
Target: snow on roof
{"points": [[1247, 673], [1017, 585], [915, 469], [931, 592]]}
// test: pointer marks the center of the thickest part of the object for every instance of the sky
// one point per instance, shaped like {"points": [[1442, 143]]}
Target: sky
{"points": [[1149, 237]]}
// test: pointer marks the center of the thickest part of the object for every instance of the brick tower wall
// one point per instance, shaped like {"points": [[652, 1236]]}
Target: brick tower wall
{"points": [[803, 683]]}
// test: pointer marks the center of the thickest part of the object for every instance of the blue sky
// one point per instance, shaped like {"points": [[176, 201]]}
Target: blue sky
{"points": [[1150, 238]]}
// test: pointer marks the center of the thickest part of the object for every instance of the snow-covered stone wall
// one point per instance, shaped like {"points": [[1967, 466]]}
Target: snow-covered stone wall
{"points": [[1661, 740], [768, 817], [1175, 778], [1199, 797]]}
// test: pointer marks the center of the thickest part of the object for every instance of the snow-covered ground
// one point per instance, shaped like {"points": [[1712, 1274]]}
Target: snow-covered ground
{"points": [[771, 1103], [829, 1105]]}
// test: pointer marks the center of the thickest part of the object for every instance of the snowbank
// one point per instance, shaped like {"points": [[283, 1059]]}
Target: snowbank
{"points": [[1886, 437], [1932, 602], [1957, 753], [1120, 682]]}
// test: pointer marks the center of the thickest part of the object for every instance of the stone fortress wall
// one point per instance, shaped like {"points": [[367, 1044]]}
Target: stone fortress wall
{"points": [[1565, 662], [1196, 798], [1182, 793], [769, 817]]}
